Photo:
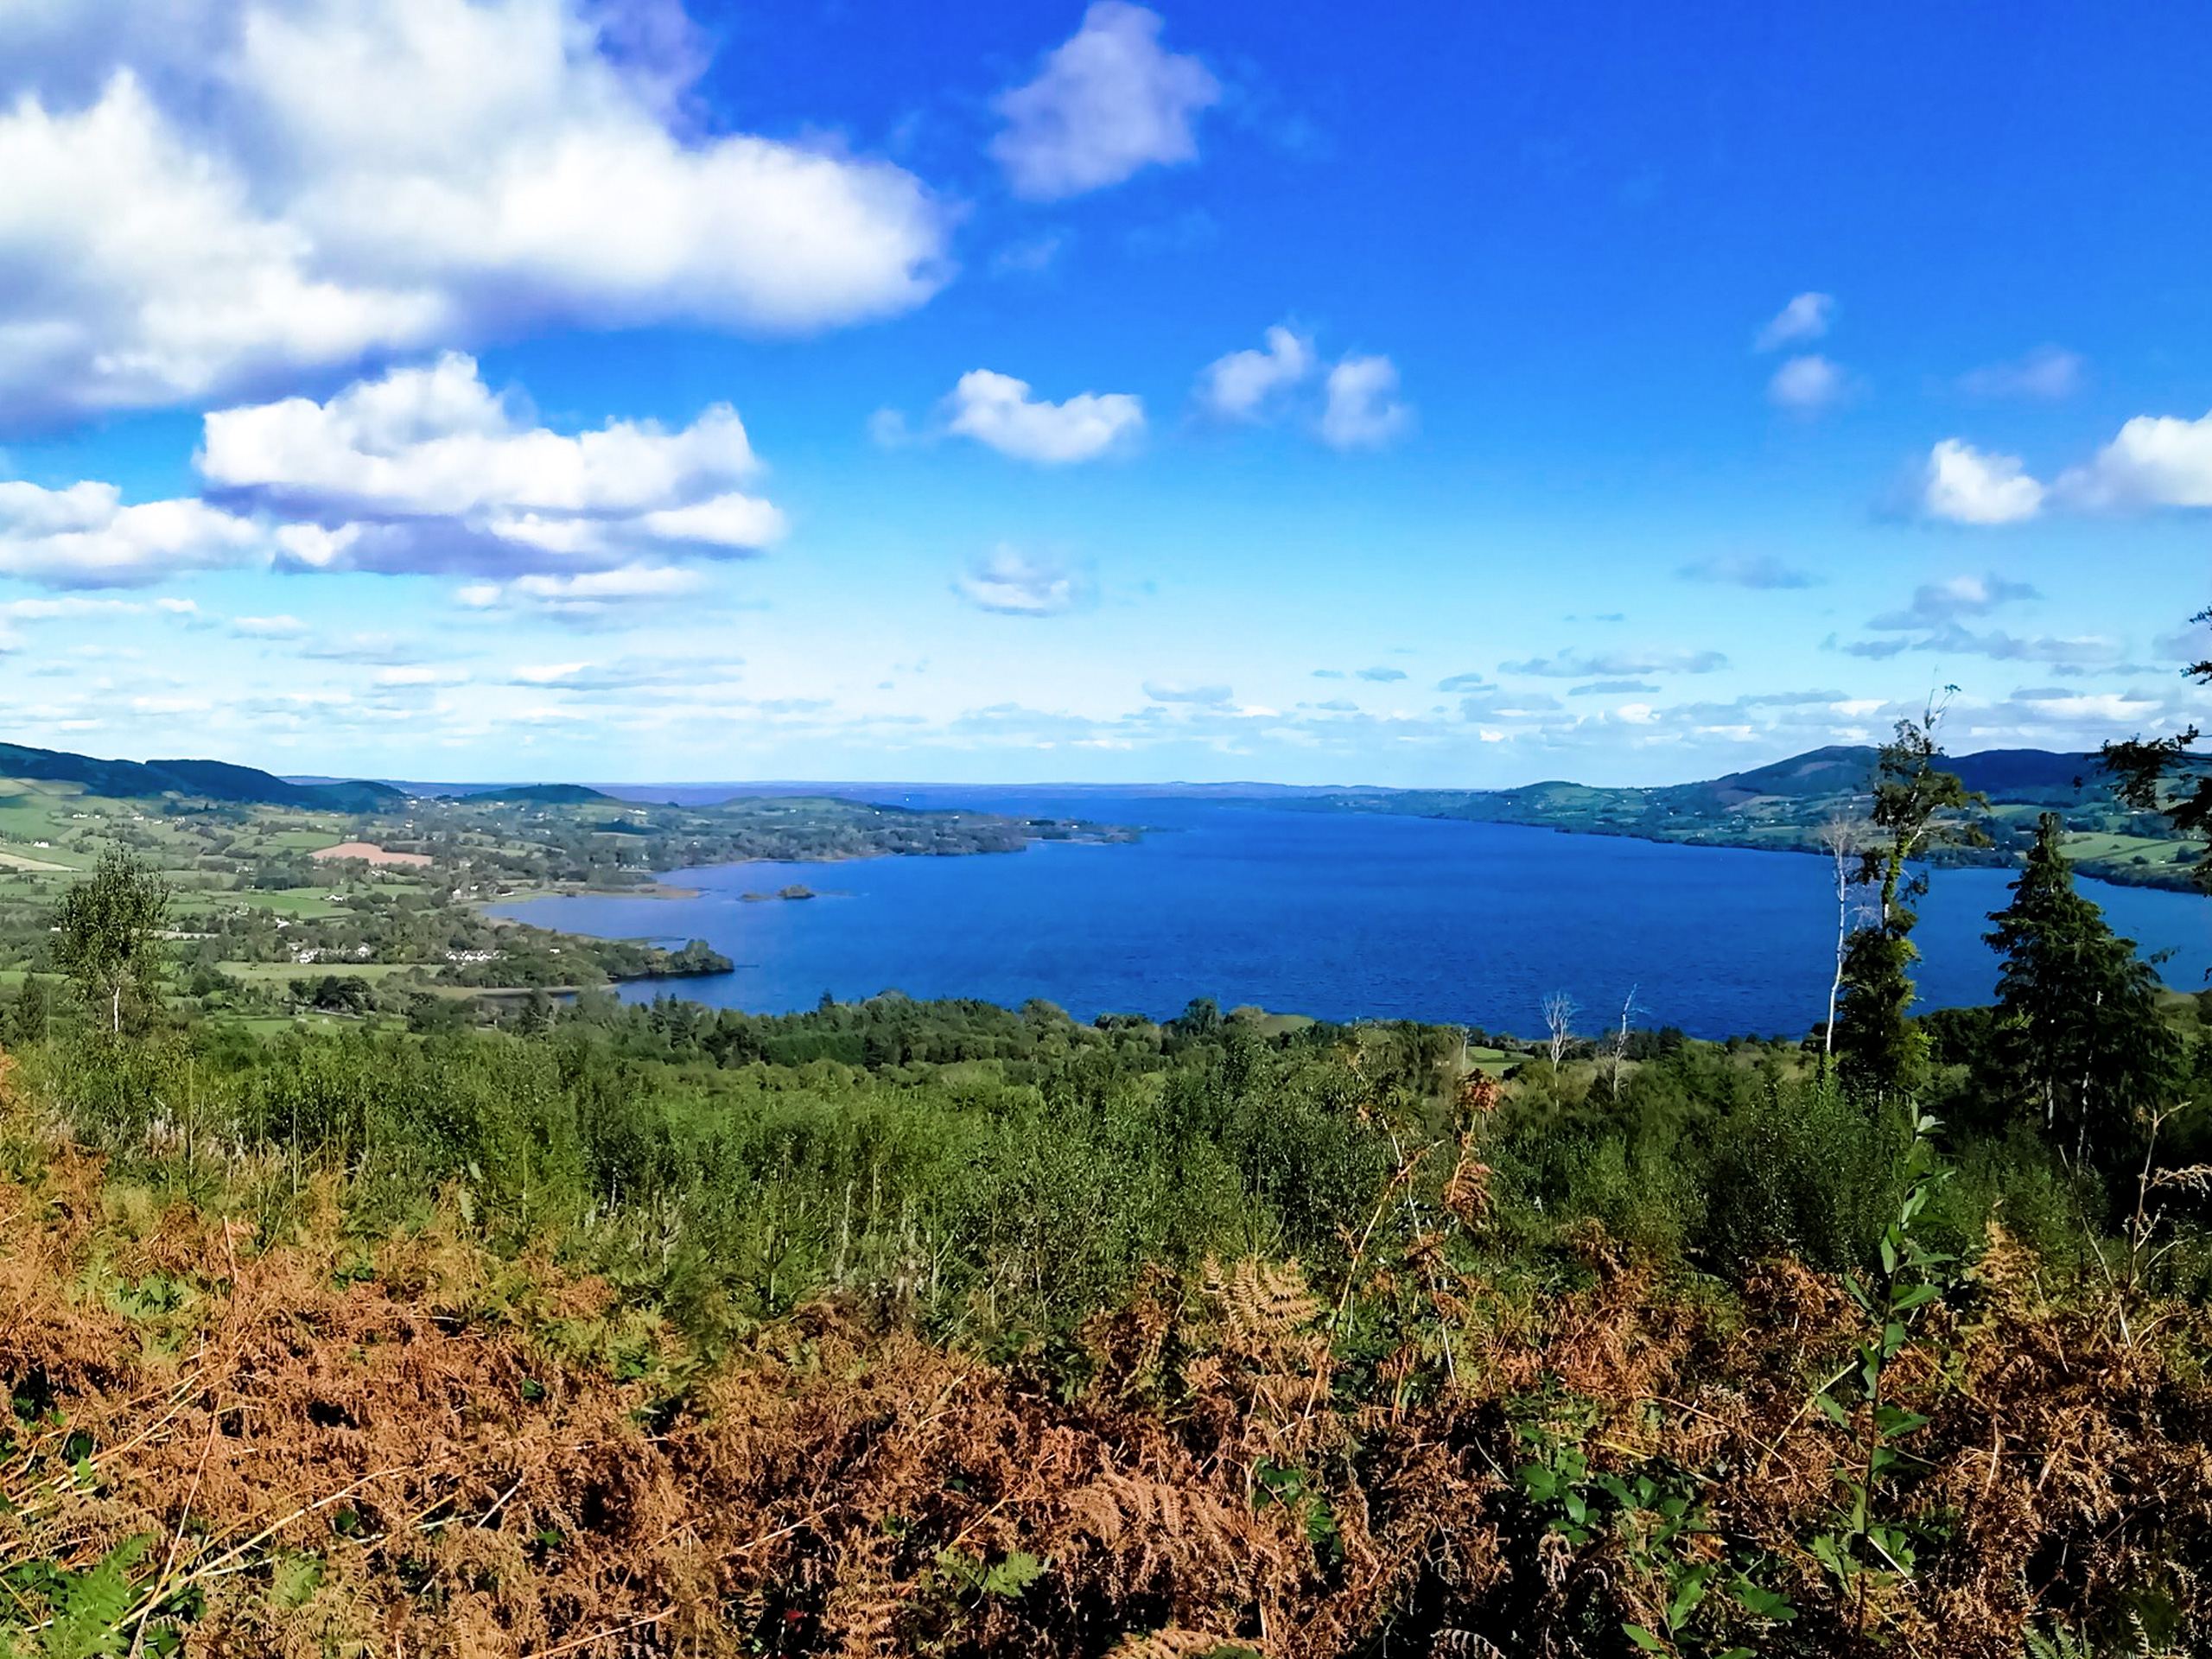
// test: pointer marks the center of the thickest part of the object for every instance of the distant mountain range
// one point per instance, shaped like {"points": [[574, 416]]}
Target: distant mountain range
{"points": [[2019, 776], [219, 780], [207, 780]]}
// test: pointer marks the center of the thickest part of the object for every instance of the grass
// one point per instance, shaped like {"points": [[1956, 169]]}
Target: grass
{"points": [[286, 901], [282, 973]]}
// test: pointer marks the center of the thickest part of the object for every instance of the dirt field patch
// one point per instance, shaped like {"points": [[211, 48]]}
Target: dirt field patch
{"points": [[369, 853]]}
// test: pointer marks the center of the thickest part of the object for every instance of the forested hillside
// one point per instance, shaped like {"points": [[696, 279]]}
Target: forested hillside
{"points": [[1804, 803]]}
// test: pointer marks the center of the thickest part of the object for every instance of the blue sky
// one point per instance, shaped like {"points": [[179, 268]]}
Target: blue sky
{"points": [[425, 388]]}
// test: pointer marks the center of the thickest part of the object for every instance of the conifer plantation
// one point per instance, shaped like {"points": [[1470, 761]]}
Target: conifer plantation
{"points": [[940, 1328]]}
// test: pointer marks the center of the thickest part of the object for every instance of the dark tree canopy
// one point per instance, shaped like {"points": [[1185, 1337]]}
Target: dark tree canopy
{"points": [[2161, 775], [2078, 1024]]}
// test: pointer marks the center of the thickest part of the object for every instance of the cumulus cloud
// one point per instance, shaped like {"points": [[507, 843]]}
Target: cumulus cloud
{"points": [[2157, 461], [1205, 695], [997, 409], [1383, 676], [1616, 665], [1937, 603], [223, 191], [1239, 385], [1971, 486], [84, 536], [2047, 373], [1012, 583], [1748, 570], [1461, 682], [1805, 317], [1109, 102], [1806, 385], [425, 469], [1608, 688], [1363, 411]]}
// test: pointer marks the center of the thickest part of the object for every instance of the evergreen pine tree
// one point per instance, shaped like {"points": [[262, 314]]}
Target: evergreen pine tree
{"points": [[2077, 1009]]}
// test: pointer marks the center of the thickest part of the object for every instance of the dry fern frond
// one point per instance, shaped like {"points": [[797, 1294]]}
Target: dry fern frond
{"points": [[1466, 1193], [1265, 1305]]}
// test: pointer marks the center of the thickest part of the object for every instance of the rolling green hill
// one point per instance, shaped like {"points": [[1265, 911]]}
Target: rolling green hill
{"points": [[1783, 806], [213, 780]]}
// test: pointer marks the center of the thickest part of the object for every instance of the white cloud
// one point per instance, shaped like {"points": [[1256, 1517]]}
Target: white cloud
{"points": [[84, 536], [1806, 384], [2158, 460], [585, 596], [46, 610], [1610, 664], [1969, 487], [13, 611], [1013, 583], [1363, 411], [220, 192], [1108, 103], [2046, 373], [549, 673], [1209, 696], [1805, 317], [997, 409], [426, 470], [1238, 385], [268, 628]]}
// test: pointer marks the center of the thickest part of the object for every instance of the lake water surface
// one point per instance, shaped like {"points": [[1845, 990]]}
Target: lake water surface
{"points": [[1342, 916]]}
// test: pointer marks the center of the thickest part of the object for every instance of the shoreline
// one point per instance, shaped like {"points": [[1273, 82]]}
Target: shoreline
{"points": [[648, 890]]}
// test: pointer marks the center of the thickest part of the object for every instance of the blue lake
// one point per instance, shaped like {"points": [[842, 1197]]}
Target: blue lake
{"points": [[1340, 916]]}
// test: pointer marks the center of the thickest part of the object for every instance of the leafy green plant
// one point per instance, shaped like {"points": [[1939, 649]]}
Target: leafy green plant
{"points": [[1867, 1547], [86, 1614]]}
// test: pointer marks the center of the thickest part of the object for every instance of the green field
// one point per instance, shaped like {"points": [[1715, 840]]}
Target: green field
{"points": [[282, 973]]}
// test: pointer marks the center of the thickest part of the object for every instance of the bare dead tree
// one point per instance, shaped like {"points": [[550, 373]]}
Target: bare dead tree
{"points": [[1559, 1010], [1845, 834], [1617, 1044]]}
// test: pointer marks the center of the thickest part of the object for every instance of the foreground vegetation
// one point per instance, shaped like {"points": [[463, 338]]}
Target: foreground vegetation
{"points": [[946, 1329]]}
